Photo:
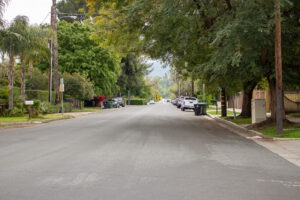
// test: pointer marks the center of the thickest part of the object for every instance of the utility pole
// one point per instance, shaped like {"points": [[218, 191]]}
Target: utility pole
{"points": [[55, 49], [50, 70], [278, 67]]}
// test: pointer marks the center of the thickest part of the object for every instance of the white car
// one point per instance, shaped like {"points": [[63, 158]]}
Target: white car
{"points": [[188, 103], [151, 102]]}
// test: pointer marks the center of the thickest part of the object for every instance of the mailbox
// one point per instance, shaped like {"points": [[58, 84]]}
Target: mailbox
{"points": [[29, 103]]}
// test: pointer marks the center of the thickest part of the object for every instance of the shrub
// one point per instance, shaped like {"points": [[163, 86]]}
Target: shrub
{"points": [[137, 101], [44, 107], [13, 113], [4, 94], [36, 80], [3, 82], [41, 95], [68, 107]]}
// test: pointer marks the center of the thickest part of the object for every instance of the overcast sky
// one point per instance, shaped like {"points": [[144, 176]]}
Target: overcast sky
{"points": [[38, 12]]}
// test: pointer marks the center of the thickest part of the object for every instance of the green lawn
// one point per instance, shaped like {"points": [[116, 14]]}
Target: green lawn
{"points": [[242, 121], [213, 112], [294, 114], [87, 110], [40, 118], [288, 132]]}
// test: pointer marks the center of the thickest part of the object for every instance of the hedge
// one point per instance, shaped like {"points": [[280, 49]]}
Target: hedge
{"points": [[137, 102], [42, 95]]}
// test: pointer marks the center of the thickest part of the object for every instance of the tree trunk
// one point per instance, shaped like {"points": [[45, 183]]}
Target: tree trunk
{"points": [[192, 88], [30, 66], [223, 102], [247, 97], [3, 65], [273, 102], [23, 77], [11, 81], [55, 49], [179, 88]]}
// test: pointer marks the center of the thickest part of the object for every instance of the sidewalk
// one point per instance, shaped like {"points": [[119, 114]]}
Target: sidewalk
{"points": [[288, 149]]}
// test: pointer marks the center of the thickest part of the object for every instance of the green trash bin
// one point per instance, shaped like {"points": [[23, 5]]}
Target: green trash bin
{"points": [[110, 104], [107, 104]]}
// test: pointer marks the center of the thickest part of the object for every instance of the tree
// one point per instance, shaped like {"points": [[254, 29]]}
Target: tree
{"points": [[12, 44], [78, 86], [21, 27], [132, 81], [34, 46], [228, 43], [71, 10], [3, 3], [79, 53]]}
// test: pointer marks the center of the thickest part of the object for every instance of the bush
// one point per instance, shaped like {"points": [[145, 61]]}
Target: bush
{"points": [[42, 95], [68, 107], [57, 108], [13, 113], [4, 94], [36, 80], [137, 102]]}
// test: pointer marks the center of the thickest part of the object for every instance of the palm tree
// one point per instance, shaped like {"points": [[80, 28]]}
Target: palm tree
{"points": [[35, 47], [12, 45], [3, 3], [21, 26]]}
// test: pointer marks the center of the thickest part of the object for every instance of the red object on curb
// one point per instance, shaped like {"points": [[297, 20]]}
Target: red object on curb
{"points": [[98, 99]]}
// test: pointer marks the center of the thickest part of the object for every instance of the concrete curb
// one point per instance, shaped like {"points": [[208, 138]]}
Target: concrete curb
{"points": [[236, 127]]}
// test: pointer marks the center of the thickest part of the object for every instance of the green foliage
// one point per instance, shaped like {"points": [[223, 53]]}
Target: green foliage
{"points": [[47, 108], [78, 53], [78, 86], [73, 8], [132, 76], [13, 113], [4, 94], [42, 95], [137, 101], [36, 80], [3, 82]]}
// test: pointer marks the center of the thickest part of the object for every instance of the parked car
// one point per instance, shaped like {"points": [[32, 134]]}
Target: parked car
{"points": [[121, 101], [151, 102], [188, 103], [115, 103], [179, 103]]}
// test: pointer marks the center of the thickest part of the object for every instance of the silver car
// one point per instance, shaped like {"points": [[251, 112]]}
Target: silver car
{"points": [[188, 103]]}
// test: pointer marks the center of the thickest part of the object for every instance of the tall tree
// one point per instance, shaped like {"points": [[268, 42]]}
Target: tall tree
{"points": [[132, 80], [12, 44], [3, 3], [79, 53]]}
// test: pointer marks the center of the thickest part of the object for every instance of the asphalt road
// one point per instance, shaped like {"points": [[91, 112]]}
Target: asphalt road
{"points": [[140, 153]]}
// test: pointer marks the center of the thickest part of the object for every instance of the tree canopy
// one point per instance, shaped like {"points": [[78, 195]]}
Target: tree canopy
{"points": [[79, 53]]}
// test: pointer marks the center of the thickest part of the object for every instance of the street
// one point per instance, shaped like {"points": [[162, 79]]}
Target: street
{"points": [[154, 152]]}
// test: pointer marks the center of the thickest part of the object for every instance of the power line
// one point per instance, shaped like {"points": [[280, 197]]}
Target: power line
{"points": [[45, 18]]}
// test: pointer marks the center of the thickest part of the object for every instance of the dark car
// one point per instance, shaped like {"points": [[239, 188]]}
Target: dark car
{"points": [[115, 103]]}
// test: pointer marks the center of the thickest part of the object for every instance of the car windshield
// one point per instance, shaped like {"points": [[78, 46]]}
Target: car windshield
{"points": [[193, 99]]}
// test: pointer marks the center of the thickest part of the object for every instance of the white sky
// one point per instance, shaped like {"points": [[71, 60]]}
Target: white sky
{"points": [[38, 12]]}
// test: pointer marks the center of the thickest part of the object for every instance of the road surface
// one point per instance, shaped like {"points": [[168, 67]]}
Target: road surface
{"points": [[152, 152]]}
